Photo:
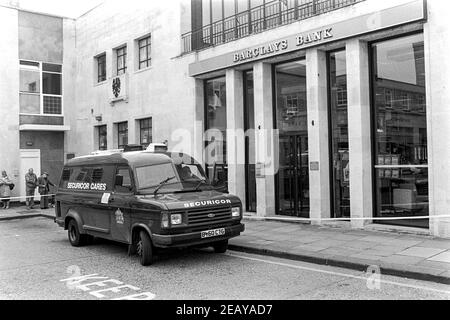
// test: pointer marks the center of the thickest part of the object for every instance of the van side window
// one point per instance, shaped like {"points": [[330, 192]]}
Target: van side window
{"points": [[123, 180], [97, 175], [83, 175], [65, 177]]}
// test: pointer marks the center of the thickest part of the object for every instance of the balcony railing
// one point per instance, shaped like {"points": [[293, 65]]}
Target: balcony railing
{"points": [[258, 19]]}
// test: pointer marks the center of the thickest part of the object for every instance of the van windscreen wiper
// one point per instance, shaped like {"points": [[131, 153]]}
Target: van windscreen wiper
{"points": [[161, 184], [203, 181]]}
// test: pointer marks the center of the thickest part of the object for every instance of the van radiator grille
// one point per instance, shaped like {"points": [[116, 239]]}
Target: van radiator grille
{"points": [[200, 216]]}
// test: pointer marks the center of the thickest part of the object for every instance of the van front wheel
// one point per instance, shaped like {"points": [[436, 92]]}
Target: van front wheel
{"points": [[144, 249], [76, 239]]}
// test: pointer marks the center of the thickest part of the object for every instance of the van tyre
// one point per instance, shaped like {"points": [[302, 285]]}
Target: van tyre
{"points": [[144, 249], [75, 237], [221, 246]]}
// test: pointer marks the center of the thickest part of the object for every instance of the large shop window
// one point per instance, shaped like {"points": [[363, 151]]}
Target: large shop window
{"points": [[400, 126], [215, 135], [40, 88], [292, 123], [337, 66]]}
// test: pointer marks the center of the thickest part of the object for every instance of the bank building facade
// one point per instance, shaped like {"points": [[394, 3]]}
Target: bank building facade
{"points": [[336, 111]]}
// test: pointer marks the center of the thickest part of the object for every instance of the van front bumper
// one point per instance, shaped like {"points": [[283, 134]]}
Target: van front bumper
{"points": [[194, 238]]}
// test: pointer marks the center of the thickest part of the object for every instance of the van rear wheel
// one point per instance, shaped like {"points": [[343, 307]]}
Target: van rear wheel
{"points": [[221, 246], [144, 249], [76, 239]]}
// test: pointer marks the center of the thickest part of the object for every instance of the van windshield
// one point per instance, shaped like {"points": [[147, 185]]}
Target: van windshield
{"points": [[182, 177]]}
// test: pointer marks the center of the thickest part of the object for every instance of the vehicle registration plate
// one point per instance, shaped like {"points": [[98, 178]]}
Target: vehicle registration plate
{"points": [[213, 233]]}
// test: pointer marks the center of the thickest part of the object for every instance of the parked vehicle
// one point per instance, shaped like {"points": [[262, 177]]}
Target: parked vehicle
{"points": [[147, 200]]}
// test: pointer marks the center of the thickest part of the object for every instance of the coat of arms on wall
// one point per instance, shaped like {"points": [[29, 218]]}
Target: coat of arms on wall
{"points": [[116, 87]]}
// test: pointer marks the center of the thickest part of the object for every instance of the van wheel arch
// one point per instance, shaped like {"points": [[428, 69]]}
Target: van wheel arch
{"points": [[75, 216], [141, 236], [135, 233]]}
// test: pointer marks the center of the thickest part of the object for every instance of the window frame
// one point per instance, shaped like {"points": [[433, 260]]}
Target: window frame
{"points": [[148, 46], [149, 129], [373, 114], [119, 131], [132, 188], [99, 136], [121, 56], [101, 77], [41, 93]]}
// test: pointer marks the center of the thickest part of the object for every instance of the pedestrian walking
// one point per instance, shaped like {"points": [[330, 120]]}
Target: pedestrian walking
{"points": [[5, 190], [31, 184], [44, 189]]}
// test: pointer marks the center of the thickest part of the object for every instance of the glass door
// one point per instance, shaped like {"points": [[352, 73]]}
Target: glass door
{"points": [[337, 69], [291, 119], [250, 145]]}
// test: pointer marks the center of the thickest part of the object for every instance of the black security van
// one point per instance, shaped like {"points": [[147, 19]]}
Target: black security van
{"points": [[147, 200]]}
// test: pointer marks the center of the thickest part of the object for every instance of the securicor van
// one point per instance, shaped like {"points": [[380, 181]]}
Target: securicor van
{"points": [[148, 200]]}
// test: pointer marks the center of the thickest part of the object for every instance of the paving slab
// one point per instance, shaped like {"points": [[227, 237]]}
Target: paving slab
{"points": [[379, 253], [311, 248], [369, 257], [421, 252], [402, 260], [434, 264], [437, 243], [359, 244], [327, 243], [346, 237], [443, 257], [340, 251]]}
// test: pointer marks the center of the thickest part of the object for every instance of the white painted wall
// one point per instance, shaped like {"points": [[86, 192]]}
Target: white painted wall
{"points": [[437, 67], [164, 91], [9, 97]]}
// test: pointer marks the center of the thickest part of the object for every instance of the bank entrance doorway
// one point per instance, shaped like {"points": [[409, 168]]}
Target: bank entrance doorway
{"points": [[292, 180], [294, 175]]}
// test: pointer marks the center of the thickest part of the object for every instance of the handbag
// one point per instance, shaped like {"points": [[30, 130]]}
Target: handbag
{"points": [[11, 186]]}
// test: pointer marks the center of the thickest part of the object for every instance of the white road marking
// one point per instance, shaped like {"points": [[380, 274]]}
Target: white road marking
{"points": [[336, 273], [76, 282]]}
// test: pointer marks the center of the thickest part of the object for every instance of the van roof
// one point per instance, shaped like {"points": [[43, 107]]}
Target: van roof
{"points": [[135, 158]]}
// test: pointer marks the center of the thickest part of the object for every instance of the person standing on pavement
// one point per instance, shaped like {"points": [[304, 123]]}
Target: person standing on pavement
{"points": [[31, 184], [44, 188], [5, 191]]}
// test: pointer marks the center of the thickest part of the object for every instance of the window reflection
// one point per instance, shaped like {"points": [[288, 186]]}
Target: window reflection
{"points": [[291, 119], [250, 144], [401, 129], [216, 125], [339, 134]]}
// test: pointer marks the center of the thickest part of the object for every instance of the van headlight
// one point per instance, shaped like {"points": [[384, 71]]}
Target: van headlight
{"points": [[236, 212], [176, 219]]}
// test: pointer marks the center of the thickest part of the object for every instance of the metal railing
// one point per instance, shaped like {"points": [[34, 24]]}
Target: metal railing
{"points": [[258, 19]]}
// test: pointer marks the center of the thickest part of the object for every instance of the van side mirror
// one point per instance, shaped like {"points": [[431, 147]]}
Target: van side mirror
{"points": [[119, 180]]}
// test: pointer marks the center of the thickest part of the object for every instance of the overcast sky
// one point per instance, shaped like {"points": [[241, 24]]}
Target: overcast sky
{"points": [[67, 8]]}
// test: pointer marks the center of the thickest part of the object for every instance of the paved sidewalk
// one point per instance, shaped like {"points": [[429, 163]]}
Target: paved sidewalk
{"points": [[410, 256], [22, 212]]}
